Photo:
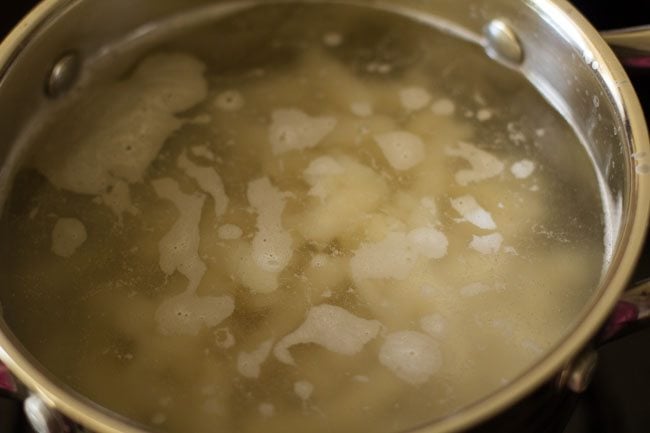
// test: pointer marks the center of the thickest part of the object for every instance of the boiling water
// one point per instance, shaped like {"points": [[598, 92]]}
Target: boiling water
{"points": [[301, 218]]}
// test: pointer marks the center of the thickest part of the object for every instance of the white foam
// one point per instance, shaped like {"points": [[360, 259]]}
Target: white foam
{"points": [[333, 328], [414, 98], [472, 212], [403, 150], [489, 244], [361, 109], [317, 174], [67, 236], [522, 169], [429, 242], [230, 100], [229, 232], [122, 131], [515, 134], [292, 129], [484, 165], [443, 107], [179, 248], [208, 180], [272, 244], [412, 356], [187, 313], [249, 363], [303, 389], [251, 275]]}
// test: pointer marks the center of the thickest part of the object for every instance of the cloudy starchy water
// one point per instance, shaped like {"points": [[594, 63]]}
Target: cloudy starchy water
{"points": [[301, 218]]}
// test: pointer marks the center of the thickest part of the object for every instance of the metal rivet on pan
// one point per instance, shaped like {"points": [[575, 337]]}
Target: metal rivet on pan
{"points": [[582, 372], [63, 75], [578, 374], [42, 418], [502, 43]]}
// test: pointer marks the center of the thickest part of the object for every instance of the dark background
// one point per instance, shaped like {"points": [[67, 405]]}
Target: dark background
{"points": [[604, 14], [619, 398]]}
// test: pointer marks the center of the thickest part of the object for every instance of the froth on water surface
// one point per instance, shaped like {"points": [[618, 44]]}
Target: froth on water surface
{"points": [[300, 218]]}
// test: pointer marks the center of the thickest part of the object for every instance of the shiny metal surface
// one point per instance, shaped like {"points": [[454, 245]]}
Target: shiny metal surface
{"points": [[637, 38], [63, 75], [631, 45], [566, 60], [502, 43], [577, 374], [582, 371], [640, 298], [41, 417]]}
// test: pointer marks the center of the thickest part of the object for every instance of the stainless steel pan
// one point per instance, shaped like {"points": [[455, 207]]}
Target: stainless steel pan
{"points": [[548, 41]]}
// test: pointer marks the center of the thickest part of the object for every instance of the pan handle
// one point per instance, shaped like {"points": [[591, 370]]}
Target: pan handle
{"points": [[22, 412], [12, 417], [30, 414], [629, 313], [631, 45]]}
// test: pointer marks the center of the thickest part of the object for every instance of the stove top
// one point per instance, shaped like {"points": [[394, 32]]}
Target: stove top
{"points": [[618, 400]]}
